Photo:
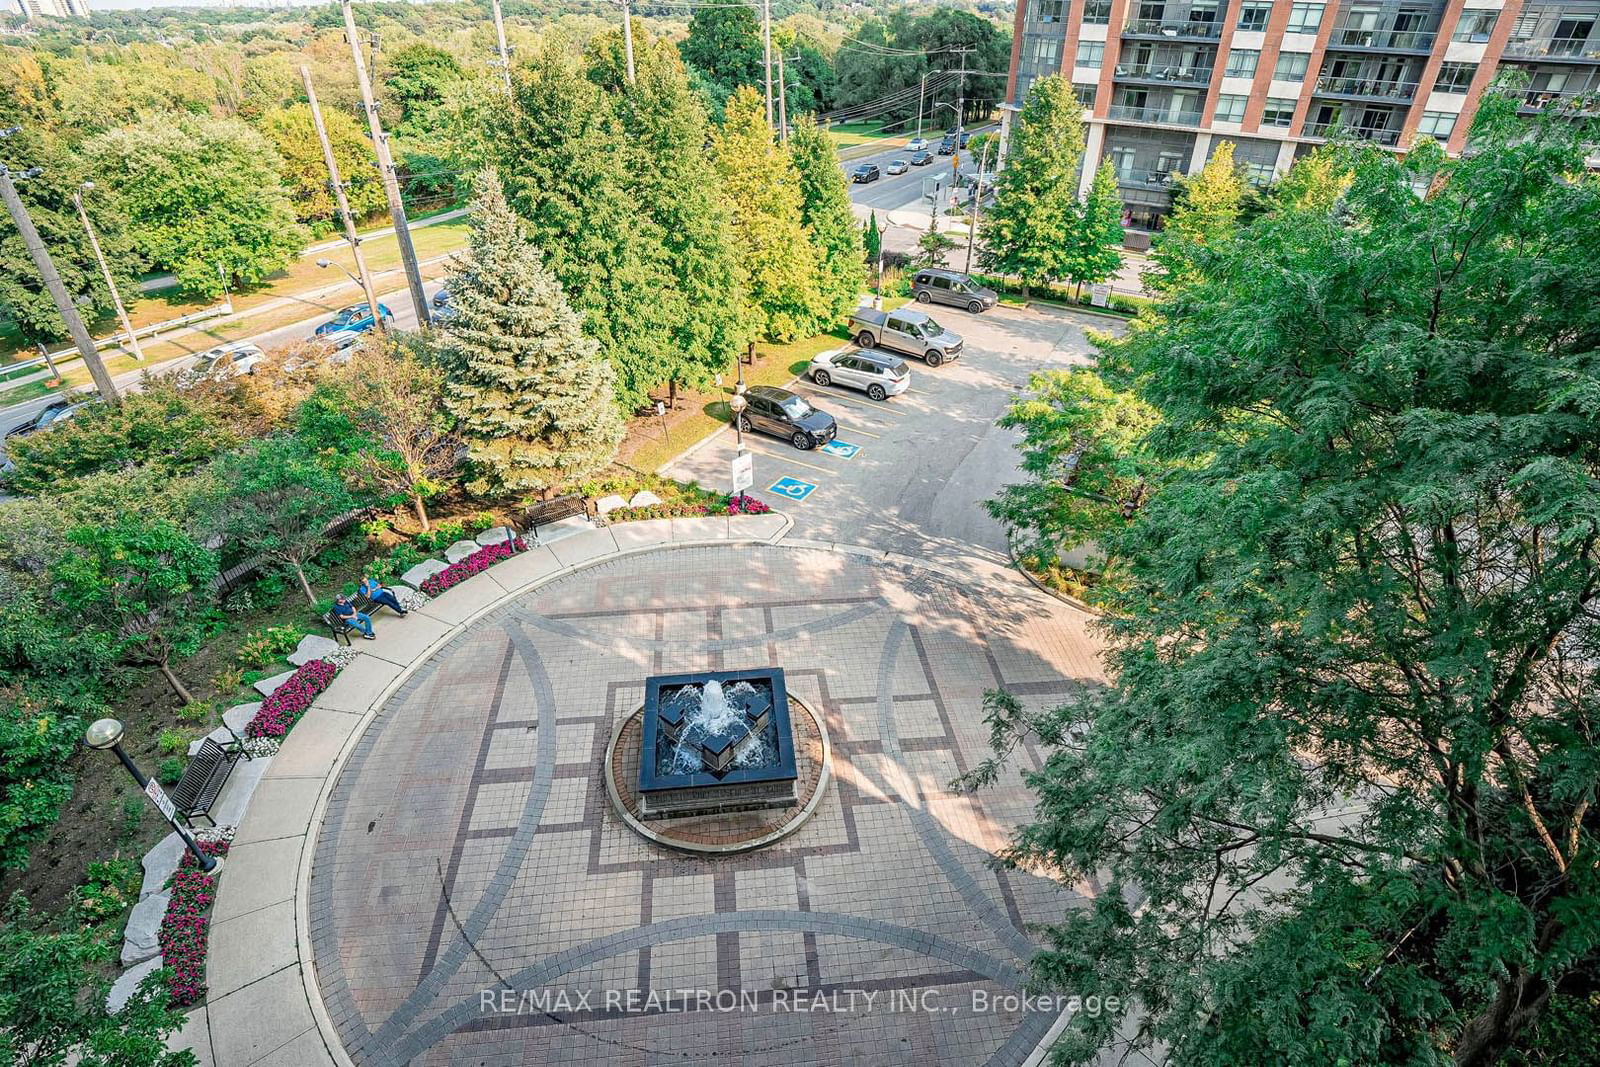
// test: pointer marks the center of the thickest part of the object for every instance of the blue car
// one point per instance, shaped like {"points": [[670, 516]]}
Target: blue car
{"points": [[356, 318]]}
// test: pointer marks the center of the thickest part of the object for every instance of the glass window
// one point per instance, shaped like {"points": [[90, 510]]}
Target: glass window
{"points": [[1090, 53], [1258, 173], [1046, 52], [1096, 12], [931, 329], [1152, 10], [1455, 77], [1475, 25], [795, 407], [1230, 108], [1437, 124], [1253, 14], [1049, 10], [940, 281], [1278, 112], [1085, 93], [1304, 18], [1291, 66], [1242, 63]]}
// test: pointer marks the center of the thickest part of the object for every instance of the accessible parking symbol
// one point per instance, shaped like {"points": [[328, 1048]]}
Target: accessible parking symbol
{"points": [[842, 449], [793, 488]]}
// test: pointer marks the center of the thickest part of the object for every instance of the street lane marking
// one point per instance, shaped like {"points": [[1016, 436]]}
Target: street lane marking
{"points": [[870, 405], [786, 459], [842, 449], [866, 433], [793, 488]]}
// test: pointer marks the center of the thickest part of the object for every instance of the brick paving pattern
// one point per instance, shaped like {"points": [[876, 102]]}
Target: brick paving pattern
{"points": [[469, 846]]}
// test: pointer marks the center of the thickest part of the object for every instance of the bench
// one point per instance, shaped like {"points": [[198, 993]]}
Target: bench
{"points": [[341, 629], [203, 779], [548, 511]]}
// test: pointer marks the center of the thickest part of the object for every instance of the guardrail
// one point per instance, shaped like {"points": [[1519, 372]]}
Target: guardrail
{"points": [[1155, 114], [1384, 40], [1163, 28], [1554, 47], [1334, 129], [66, 355], [1164, 72], [1367, 87]]}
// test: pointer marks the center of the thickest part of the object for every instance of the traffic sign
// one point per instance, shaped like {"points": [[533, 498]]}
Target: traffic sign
{"points": [[793, 488], [159, 798], [842, 449], [744, 471]]}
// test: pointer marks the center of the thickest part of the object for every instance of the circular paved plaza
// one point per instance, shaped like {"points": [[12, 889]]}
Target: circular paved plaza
{"points": [[475, 900]]}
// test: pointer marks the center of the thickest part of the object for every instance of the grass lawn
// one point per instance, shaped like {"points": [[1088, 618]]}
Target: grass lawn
{"points": [[847, 134]]}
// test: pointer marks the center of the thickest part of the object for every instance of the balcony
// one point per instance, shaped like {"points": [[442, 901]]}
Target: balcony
{"points": [[1167, 30], [1419, 41], [1337, 131], [1572, 49], [1366, 89], [1134, 178], [1165, 73], [1129, 113], [1578, 105]]}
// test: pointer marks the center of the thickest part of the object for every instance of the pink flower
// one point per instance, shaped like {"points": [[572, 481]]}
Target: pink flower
{"points": [[479, 561], [280, 711]]}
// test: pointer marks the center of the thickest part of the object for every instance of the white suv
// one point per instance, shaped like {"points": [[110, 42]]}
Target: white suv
{"points": [[879, 376]]}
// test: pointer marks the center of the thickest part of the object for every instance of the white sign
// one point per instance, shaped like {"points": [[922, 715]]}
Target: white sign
{"points": [[744, 471], [1100, 295], [661, 408], [159, 798]]}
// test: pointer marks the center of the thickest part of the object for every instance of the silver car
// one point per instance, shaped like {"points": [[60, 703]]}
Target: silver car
{"points": [[954, 288], [222, 363], [879, 376]]}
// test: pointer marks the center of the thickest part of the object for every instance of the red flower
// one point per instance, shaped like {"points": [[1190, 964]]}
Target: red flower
{"points": [[283, 708], [186, 925]]}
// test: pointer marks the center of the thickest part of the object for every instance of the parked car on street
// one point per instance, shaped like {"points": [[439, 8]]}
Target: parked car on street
{"points": [[357, 317], [917, 144], [913, 332], [921, 159], [937, 286], [443, 309], [947, 146], [332, 348], [896, 166], [865, 172], [879, 376], [788, 415], [222, 363], [50, 413]]}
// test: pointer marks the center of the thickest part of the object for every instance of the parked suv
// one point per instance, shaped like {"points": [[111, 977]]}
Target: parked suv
{"points": [[866, 172], [785, 414], [878, 375], [356, 317], [953, 288], [907, 330]]}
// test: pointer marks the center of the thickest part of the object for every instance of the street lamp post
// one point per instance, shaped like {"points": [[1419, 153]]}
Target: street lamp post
{"points": [[737, 405], [922, 87], [326, 263], [105, 271], [107, 734]]}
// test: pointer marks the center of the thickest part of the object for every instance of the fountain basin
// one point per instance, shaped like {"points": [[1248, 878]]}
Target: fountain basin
{"points": [[731, 752]]}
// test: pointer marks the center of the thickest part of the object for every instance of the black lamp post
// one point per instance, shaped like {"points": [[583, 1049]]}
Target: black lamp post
{"points": [[106, 734]]}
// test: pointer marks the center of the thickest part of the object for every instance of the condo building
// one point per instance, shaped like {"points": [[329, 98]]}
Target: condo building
{"points": [[1163, 83]]}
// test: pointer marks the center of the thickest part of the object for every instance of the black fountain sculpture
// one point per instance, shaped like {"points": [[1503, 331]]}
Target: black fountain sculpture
{"points": [[716, 742]]}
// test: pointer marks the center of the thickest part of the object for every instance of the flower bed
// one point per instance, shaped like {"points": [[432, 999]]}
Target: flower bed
{"points": [[476, 563], [732, 505], [186, 926], [289, 701]]}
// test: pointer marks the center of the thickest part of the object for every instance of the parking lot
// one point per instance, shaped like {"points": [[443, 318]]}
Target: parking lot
{"points": [[911, 473]]}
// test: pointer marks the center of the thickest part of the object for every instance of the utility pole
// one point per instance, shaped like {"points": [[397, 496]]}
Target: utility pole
{"points": [[977, 205], [627, 37], [505, 53], [783, 110], [391, 185], [961, 97], [105, 272], [922, 87], [339, 198], [52, 282], [766, 46]]}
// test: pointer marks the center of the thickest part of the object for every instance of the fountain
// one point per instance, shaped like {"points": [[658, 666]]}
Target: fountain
{"points": [[716, 742]]}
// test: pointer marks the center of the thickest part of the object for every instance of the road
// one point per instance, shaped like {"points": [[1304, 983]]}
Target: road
{"points": [[899, 191]]}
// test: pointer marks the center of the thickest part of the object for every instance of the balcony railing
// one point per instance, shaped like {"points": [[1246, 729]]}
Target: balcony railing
{"points": [[1164, 28], [1366, 88], [1581, 104], [1155, 114], [1164, 72], [1554, 47], [1146, 179], [1384, 40], [1334, 130]]}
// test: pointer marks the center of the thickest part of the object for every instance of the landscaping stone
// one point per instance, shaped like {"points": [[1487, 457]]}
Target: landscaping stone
{"points": [[267, 685], [495, 535], [608, 504], [144, 922], [644, 498], [312, 647], [461, 550], [123, 988], [422, 572], [160, 862], [238, 717], [220, 735]]}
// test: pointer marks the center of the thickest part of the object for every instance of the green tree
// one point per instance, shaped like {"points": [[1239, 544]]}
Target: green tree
{"points": [[825, 210], [873, 239], [1096, 251], [277, 501], [37, 738], [1346, 764], [934, 243], [530, 394], [724, 43], [1029, 230], [1205, 216], [203, 198], [305, 174], [1315, 182], [141, 588], [779, 257], [418, 77]]}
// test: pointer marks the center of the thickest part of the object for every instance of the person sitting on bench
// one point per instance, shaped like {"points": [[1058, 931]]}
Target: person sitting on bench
{"points": [[375, 591], [346, 613]]}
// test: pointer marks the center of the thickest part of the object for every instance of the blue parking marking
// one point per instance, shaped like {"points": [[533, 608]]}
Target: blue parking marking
{"points": [[842, 449], [793, 488]]}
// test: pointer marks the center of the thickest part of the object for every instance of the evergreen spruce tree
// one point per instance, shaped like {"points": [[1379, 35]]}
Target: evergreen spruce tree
{"points": [[1204, 217], [1029, 230], [825, 209], [532, 397], [1096, 252], [874, 238], [779, 256], [935, 244]]}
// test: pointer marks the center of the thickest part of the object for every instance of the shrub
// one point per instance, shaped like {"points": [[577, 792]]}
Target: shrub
{"points": [[109, 888], [263, 645], [442, 536], [132, 816], [170, 771], [280, 711], [196, 712], [35, 744], [480, 560], [172, 742], [746, 505], [185, 928]]}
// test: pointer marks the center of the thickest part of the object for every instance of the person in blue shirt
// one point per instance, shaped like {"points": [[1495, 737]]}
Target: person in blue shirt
{"points": [[346, 612], [374, 591]]}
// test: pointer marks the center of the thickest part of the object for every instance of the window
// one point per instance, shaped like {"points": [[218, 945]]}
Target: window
{"points": [[1437, 124], [1230, 108], [1291, 66], [1085, 93], [1090, 53], [1455, 77], [1304, 18], [1046, 53], [1253, 15], [1278, 112], [1096, 12], [1049, 10], [1258, 173], [1475, 25], [1122, 161], [1152, 10], [1242, 63]]}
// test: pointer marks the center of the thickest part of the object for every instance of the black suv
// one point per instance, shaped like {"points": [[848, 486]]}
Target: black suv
{"points": [[785, 414], [866, 172]]}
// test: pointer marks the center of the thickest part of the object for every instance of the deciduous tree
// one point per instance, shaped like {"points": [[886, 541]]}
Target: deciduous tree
{"points": [[1096, 252], [1205, 216], [305, 173], [1029, 230], [825, 210], [724, 43]]}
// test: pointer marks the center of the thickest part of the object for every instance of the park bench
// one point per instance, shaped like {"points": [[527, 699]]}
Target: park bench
{"points": [[340, 628], [548, 511], [203, 779]]}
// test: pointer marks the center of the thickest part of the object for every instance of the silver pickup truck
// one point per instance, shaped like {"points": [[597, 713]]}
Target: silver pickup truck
{"points": [[913, 332]]}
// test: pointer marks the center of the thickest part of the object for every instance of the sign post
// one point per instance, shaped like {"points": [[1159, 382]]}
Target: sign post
{"points": [[743, 469], [1100, 295]]}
